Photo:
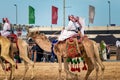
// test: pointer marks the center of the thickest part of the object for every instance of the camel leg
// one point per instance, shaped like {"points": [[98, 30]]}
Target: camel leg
{"points": [[12, 66], [3, 67], [102, 68], [26, 61], [23, 54], [5, 55], [60, 66], [91, 67], [66, 68], [12, 72], [26, 69], [99, 61]]}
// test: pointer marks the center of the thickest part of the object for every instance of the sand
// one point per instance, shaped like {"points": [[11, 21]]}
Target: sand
{"points": [[49, 71]]}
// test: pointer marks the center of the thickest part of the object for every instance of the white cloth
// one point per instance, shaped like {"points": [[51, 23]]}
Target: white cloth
{"points": [[118, 43], [71, 26], [82, 21], [81, 30], [4, 32], [66, 33]]}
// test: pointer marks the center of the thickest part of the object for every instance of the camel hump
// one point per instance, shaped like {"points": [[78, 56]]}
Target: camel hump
{"points": [[89, 47]]}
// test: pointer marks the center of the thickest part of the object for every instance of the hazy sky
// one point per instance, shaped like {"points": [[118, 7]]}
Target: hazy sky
{"points": [[75, 7]]}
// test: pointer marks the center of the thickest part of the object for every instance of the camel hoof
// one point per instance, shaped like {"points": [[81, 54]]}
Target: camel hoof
{"points": [[13, 78], [32, 78], [5, 79], [60, 79], [22, 79]]}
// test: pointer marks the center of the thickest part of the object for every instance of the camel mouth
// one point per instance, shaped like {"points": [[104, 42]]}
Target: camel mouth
{"points": [[29, 38]]}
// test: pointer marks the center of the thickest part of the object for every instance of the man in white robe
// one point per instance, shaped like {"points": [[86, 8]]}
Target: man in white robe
{"points": [[6, 28], [69, 31]]}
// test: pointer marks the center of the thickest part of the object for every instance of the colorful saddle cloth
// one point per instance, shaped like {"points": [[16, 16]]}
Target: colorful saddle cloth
{"points": [[71, 48]]}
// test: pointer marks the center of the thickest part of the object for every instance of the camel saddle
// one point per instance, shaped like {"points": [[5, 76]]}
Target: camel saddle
{"points": [[72, 47], [13, 38]]}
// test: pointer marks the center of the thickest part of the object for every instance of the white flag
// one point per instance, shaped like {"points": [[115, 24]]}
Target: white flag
{"points": [[91, 13]]}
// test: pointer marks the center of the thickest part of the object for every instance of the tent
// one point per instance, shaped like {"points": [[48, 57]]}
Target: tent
{"points": [[109, 39]]}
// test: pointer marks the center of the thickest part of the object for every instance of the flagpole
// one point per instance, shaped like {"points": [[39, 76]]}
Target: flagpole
{"points": [[16, 13], [64, 13], [109, 14]]}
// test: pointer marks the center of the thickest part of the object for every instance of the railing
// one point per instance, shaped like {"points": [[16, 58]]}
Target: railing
{"points": [[113, 49]]}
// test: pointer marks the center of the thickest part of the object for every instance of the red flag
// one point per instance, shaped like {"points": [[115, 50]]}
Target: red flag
{"points": [[54, 15]]}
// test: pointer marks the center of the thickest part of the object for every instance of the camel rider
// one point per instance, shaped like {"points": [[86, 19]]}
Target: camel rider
{"points": [[6, 27], [68, 31]]}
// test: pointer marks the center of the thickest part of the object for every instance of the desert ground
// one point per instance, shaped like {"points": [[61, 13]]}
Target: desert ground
{"points": [[49, 71]]}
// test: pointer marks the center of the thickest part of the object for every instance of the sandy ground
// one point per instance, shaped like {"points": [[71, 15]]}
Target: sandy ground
{"points": [[49, 71]]}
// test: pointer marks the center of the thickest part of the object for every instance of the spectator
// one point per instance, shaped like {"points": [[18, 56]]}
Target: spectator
{"points": [[52, 58], [30, 51], [34, 52], [39, 53], [103, 50], [108, 51], [118, 50], [19, 32]]}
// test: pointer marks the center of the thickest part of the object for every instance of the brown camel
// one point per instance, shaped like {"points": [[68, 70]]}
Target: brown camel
{"points": [[7, 50], [88, 48]]}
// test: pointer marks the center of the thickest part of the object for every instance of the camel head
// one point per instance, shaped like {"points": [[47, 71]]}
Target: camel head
{"points": [[41, 39], [32, 34]]}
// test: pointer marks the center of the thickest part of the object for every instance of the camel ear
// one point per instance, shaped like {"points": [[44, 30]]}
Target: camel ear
{"points": [[37, 32], [42, 34]]}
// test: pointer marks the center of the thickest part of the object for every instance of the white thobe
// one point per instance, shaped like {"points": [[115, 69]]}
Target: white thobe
{"points": [[4, 32], [66, 33]]}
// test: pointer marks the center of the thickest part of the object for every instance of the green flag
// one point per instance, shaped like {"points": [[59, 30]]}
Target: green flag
{"points": [[31, 15]]}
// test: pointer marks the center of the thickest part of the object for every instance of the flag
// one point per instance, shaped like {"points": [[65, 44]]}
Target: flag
{"points": [[91, 13], [54, 15], [31, 15]]}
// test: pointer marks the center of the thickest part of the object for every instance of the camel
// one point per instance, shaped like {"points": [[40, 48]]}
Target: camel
{"points": [[6, 52], [89, 49]]}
